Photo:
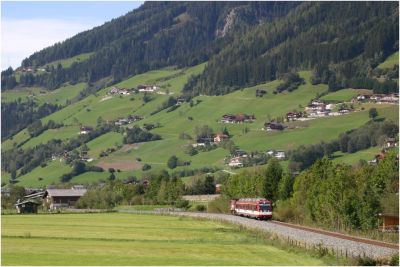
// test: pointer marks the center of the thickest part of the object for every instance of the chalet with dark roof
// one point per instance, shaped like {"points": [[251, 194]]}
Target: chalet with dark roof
{"points": [[85, 129], [274, 126]]}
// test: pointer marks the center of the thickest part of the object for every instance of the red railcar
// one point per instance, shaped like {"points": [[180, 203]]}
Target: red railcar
{"points": [[259, 208]]}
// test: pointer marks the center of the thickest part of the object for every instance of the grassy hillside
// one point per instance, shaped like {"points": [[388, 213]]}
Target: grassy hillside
{"points": [[390, 61], [66, 63], [344, 95], [40, 95], [205, 110], [353, 158], [138, 240], [49, 174]]}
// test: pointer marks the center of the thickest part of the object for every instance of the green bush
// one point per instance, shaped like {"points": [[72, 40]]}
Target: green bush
{"points": [[394, 261], [219, 205], [200, 208], [182, 204], [366, 262]]}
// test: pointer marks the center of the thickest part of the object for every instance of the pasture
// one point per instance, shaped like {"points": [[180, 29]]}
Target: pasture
{"points": [[66, 63], [343, 95], [390, 61], [128, 239]]}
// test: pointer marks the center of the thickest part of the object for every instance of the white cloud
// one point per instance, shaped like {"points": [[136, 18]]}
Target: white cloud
{"points": [[22, 37]]}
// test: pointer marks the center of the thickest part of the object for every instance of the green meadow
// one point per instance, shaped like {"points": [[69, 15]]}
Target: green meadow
{"points": [[354, 158], [344, 95], [66, 63], [128, 239], [62, 133], [42, 176], [390, 61], [40, 95]]}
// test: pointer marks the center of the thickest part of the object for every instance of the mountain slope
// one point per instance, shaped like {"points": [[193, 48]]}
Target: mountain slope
{"points": [[156, 35], [347, 38]]}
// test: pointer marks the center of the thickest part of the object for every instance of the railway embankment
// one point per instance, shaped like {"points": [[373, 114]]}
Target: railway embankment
{"points": [[308, 237]]}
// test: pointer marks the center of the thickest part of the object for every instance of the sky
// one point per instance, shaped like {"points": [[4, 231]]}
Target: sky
{"points": [[29, 26]]}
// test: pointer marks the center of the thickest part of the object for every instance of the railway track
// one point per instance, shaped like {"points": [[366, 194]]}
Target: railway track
{"points": [[339, 235]]}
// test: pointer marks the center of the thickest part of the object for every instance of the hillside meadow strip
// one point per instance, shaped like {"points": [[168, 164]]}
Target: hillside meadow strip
{"points": [[128, 239]]}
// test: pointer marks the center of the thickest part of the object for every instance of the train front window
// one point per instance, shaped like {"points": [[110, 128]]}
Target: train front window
{"points": [[265, 207]]}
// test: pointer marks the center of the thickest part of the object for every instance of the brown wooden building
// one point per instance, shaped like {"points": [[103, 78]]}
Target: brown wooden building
{"points": [[62, 198], [388, 222]]}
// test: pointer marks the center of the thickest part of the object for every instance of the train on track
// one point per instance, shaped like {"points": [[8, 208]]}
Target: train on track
{"points": [[258, 208]]}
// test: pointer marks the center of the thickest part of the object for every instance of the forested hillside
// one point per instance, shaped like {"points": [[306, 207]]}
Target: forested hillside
{"points": [[343, 43]]}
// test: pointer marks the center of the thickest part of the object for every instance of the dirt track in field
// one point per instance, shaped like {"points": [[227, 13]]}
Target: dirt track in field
{"points": [[123, 165]]}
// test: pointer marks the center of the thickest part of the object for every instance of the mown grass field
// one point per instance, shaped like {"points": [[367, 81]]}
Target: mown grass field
{"points": [[354, 158], [127, 239], [390, 61], [62, 133], [344, 95], [41, 95], [49, 174], [66, 63]]}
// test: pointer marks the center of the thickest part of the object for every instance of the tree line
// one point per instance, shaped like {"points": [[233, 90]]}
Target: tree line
{"points": [[18, 115]]}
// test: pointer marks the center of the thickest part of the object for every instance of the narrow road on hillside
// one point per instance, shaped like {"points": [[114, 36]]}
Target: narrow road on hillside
{"points": [[342, 244]]}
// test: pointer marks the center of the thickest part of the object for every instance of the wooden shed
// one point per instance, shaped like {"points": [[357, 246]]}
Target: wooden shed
{"points": [[27, 206], [388, 222]]}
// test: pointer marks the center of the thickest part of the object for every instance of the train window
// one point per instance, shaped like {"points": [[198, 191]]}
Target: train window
{"points": [[265, 207]]}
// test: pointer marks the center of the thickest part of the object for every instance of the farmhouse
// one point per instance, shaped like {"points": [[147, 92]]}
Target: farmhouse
{"points": [[180, 100], [390, 99], [362, 97], [344, 111], [236, 162], [260, 92], [121, 122], [119, 91], [229, 118], [147, 88], [279, 154], [220, 137], [203, 141], [390, 142], [134, 118], [62, 198], [85, 129], [274, 126], [292, 116]]}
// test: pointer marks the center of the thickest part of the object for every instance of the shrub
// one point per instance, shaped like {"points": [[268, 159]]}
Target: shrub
{"points": [[146, 167], [200, 208], [366, 262], [394, 261], [182, 204], [219, 205]]}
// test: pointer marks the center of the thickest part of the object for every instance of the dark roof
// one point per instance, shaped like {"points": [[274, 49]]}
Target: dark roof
{"points": [[28, 201]]}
